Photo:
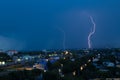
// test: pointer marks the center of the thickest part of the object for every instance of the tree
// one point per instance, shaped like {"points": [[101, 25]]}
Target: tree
{"points": [[51, 75], [4, 57], [49, 65]]}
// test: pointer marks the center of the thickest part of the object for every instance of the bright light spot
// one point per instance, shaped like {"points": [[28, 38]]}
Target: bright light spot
{"points": [[89, 60], [26, 58], [3, 63], [81, 68], [85, 64], [47, 60], [59, 70], [34, 66], [19, 60], [50, 55], [66, 52], [45, 70], [74, 73]]}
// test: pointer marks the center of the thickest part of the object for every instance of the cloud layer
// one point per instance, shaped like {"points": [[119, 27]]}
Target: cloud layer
{"points": [[7, 43]]}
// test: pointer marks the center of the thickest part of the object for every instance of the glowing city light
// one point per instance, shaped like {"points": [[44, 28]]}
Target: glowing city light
{"points": [[46, 60], [74, 73], [18, 60], [2, 63], [89, 60], [81, 68], [59, 70], [85, 64], [66, 52], [45, 70]]}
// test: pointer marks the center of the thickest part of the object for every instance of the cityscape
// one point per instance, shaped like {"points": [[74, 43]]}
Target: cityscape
{"points": [[95, 64], [59, 40]]}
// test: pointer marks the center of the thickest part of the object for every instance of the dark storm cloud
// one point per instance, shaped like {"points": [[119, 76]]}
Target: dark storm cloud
{"points": [[9, 43], [32, 23]]}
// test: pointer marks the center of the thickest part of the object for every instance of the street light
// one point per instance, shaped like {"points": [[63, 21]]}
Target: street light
{"points": [[89, 60], [59, 70], [46, 60], [3, 63], [74, 73], [66, 52], [81, 68], [85, 64]]}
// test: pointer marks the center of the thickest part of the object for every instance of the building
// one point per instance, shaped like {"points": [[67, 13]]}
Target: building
{"points": [[108, 64], [11, 52]]}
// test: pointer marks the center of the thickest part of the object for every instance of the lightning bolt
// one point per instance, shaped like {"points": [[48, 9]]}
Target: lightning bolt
{"points": [[64, 37], [91, 33]]}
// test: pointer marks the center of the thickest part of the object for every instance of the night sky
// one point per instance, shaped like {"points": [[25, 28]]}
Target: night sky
{"points": [[43, 24]]}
